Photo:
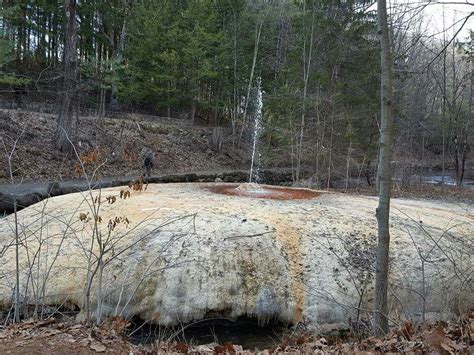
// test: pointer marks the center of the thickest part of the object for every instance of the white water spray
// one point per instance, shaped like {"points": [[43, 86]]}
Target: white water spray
{"points": [[257, 130]]}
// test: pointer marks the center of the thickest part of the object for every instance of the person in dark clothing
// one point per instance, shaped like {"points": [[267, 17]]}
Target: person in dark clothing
{"points": [[148, 163]]}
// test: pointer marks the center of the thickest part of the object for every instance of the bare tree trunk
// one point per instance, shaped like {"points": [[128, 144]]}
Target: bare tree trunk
{"points": [[457, 158], [99, 289], [63, 133], [258, 32], [384, 173], [168, 107], [422, 160], [292, 145], [444, 108], [306, 70], [331, 136], [348, 164], [216, 110], [470, 115], [118, 57], [235, 104], [318, 141], [193, 110], [8, 156], [17, 264], [217, 134], [101, 110]]}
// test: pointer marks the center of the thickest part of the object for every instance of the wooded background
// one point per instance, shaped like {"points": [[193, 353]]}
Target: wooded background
{"points": [[318, 61]]}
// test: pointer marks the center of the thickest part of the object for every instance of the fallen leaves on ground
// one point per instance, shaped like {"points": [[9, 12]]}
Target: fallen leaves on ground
{"points": [[50, 336], [115, 144], [429, 338]]}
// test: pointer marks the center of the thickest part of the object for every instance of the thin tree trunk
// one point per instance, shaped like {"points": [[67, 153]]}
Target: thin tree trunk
{"points": [[331, 136], [348, 163], [193, 109], [258, 31], [443, 124], [235, 104], [422, 160], [17, 264], [423, 290], [470, 115], [168, 105], [118, 57], [16, 311], [99, 289], [100, 112], [65, 120], [292, 145], [318, 145], [306, 70], [457, 165], [384, 172]]}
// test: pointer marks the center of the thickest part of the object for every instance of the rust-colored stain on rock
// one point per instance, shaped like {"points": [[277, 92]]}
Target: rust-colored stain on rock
{"points": [[267, 192]]}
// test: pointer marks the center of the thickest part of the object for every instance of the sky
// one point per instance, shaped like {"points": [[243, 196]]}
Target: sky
{"points": [[455, 11]]}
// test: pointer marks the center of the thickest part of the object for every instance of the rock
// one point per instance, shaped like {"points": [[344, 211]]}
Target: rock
{"points": [[180, 252], [218, 180]]}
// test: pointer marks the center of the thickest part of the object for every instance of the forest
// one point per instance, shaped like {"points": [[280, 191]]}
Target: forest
{"points": [[318, 62], [318, 163]]}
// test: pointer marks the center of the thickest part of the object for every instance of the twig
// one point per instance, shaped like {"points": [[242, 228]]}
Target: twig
{"points": [[249, 236]]}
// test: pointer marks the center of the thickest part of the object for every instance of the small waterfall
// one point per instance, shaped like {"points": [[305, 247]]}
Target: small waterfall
{"points": [[257, 130]]}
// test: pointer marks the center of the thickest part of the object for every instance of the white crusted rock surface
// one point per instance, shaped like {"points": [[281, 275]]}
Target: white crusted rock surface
{"points": [[181, 252]]}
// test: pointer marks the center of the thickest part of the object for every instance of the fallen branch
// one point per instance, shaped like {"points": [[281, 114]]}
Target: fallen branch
{"points": [[249, 236]]}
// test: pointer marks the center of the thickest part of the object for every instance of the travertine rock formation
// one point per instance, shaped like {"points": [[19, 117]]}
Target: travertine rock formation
{"points": [[180, 252]]}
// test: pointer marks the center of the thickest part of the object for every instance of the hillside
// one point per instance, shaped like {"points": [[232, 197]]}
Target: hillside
{"points": [[117, 143]]}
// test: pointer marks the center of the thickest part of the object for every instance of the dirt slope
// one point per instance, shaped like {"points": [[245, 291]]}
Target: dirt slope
{"points": [[118, 143]]}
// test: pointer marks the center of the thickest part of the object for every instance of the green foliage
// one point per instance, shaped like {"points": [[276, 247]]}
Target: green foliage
{"points": [[199, 53], [6, 51], [13, 81]]}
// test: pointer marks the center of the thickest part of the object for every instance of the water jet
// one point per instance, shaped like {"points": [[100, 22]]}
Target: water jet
{"points": [[257, 131]]}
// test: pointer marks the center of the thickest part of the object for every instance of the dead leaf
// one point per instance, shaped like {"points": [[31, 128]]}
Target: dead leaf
{"points": [[181, 348], [447, 347], [98, 347], [436, 340], [408, 329], [115, 325]]}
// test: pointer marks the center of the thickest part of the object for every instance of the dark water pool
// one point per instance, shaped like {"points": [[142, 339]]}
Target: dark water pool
{"points": [[243, 331]]}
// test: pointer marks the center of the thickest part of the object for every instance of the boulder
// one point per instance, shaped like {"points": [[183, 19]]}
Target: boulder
{"points": [[175, 253]]}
